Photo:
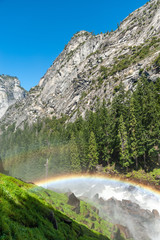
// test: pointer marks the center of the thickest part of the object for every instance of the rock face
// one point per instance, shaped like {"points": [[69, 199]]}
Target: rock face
{"points": [[10, 92], [132, 220], [2, 170], [75, 202], [52, 219], [91, 66], [121, 230]]}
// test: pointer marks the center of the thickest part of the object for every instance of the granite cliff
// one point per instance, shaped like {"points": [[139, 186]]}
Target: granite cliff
{"points": [[10, 92], [91, 67]]}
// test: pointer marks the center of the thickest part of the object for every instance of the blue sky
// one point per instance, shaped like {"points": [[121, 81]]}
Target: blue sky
{"points": [[34, 32]]}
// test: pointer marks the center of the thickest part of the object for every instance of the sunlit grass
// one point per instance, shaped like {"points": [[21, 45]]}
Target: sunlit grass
{"points": [[25, 215]]}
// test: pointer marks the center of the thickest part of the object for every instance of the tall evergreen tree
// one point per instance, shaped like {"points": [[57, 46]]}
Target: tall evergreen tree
{"points": [[118, 108], [102, 133], [133, 143], [123, 144], [92, 153], [146, 112], [74, 155], [82, 148]]}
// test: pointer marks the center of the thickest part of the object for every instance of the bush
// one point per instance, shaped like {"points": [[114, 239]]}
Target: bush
{"points": [[157, 61]]}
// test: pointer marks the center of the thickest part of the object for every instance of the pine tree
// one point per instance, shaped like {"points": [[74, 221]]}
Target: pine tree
{"points": [[92, 153], [123, 144], [146, 115], [117, 109], [63, 158], [82, 148], [153, 144], [102, 134], [74, 155], [132, 130]]}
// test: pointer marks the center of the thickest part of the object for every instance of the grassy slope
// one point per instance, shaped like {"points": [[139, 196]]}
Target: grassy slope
{"points": [[88, 214], [25, 215]]}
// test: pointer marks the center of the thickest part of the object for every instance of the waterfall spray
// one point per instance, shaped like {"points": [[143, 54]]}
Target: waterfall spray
{"points": [[46, 168]]}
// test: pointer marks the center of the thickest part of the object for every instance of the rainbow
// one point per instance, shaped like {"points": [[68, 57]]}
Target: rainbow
{"points": [[70, 178]]}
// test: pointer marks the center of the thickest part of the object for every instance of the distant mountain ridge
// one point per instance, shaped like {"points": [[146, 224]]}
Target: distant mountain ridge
{"points": [[91, 67]]}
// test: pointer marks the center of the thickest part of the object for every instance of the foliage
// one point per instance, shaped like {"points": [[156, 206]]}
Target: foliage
{"points": [[74, 156], [25, 215], [83, 95], [150, 177], [157, 61], [92, 153], [123, 144], [99, 138], [86, 215], [134, 55], [132, 130]]}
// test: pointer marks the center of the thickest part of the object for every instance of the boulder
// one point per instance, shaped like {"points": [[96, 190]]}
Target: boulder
{"points": [[75, 202], [156, 213], [67, 221], [124, 231], [52, 219], [158, 177]]}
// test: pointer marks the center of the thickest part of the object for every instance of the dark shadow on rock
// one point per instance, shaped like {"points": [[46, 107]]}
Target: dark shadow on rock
{"points": [[52, 219], [65, 220]]}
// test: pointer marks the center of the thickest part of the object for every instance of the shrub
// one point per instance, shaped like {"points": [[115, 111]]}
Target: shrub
{"points": [[157, 61]]}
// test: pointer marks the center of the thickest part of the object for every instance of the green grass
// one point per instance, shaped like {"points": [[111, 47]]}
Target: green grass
{"points": [[141, 175], [24, 214], [88, 214]]}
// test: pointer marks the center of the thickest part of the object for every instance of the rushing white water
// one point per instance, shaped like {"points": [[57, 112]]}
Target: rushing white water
{"points": [[87, 188]]}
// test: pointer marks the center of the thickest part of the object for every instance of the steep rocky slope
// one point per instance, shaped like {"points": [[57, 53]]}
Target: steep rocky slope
{"points": [[90, 68], [140, 223], [10, 92]]}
